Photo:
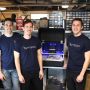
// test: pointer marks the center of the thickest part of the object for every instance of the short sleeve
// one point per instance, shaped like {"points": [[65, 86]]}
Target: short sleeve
{"points": [[67, 41], [1, 37], [17, 45], [87, 45], [0, 45], [38, 44]]}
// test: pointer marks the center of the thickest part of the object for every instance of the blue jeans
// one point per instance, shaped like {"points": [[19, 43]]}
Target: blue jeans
{"points": [[11, 82]]}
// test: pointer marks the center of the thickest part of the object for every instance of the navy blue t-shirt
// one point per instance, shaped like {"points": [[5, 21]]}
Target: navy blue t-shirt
{"points": [[27, 48], [7, 48], [77, 46]]}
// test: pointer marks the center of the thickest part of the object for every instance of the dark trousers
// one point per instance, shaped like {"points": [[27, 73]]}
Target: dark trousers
{"points": [[32, 82], [1, 85], [72, 84]]}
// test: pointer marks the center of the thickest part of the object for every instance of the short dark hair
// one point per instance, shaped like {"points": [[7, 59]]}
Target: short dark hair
{"points": [[27, 21], [8, 19], [78, 19]]}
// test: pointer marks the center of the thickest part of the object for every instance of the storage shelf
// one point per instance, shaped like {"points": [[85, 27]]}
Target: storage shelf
{"points": [[56, 19], [85, 16]]}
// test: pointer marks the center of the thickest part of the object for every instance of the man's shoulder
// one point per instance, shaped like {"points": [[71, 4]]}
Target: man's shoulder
{"points": [[35, 38], [70, 37], [16, 34], [85, 38], [2, 36]]}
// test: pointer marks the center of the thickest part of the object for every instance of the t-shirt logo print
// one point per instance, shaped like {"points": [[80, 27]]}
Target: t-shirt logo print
{"points": [[29, 47], [74, 45]]}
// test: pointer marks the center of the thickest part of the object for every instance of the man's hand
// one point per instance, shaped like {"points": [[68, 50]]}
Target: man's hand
{"points": [[21, 79], [65, 66], [41, 74], [2, 76], [79, 78]]}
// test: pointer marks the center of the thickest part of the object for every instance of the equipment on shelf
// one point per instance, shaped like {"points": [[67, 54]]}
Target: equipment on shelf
{"points": [[52, 46]]}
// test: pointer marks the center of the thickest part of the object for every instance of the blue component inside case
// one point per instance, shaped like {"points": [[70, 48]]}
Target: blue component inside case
{"points": [[52, 47]]}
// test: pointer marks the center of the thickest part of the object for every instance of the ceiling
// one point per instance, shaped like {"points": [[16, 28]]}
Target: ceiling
{"points": [[28, 5]]}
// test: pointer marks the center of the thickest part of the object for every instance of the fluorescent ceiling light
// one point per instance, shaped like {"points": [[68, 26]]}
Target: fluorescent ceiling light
{"points": [[65, 6], [2, 8]]}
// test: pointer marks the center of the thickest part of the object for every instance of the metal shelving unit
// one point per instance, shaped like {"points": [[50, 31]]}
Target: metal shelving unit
{"points": [[56, 19], [84, 15]]}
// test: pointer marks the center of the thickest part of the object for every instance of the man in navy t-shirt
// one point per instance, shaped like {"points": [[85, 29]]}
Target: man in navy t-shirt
{"points": [[8, 73], [78, 57], [28, 60]]}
